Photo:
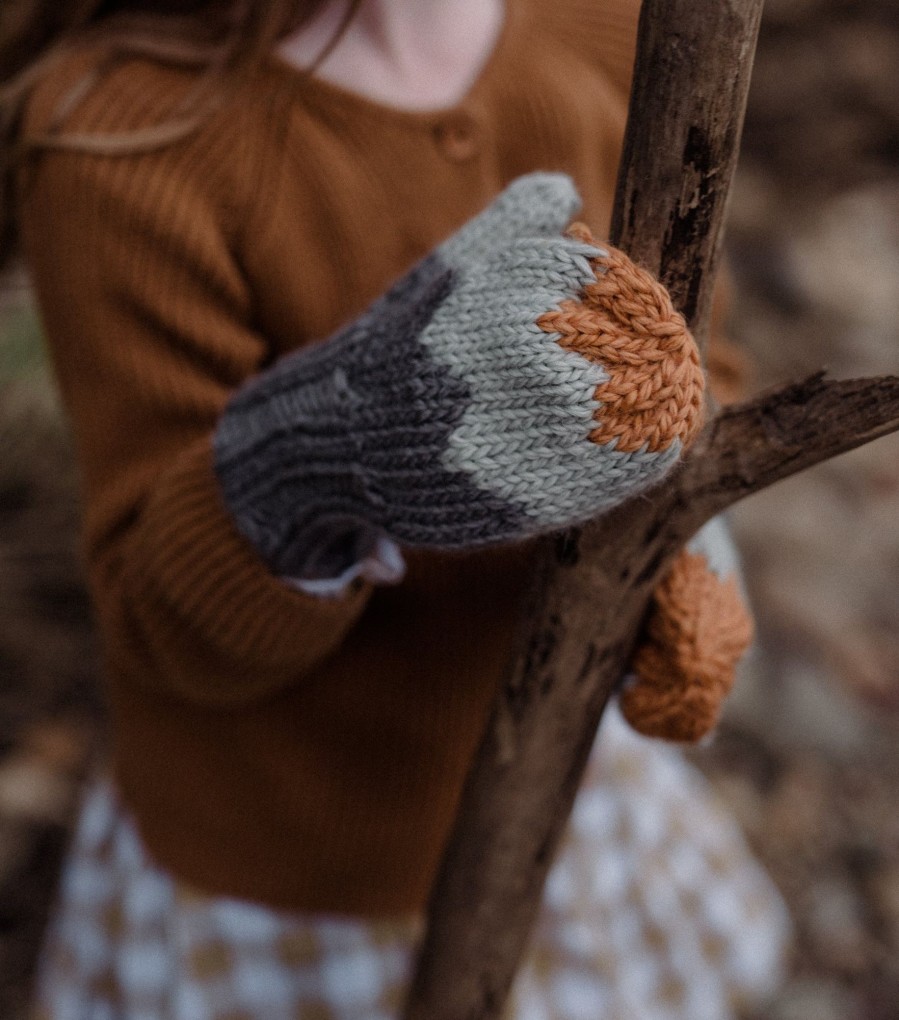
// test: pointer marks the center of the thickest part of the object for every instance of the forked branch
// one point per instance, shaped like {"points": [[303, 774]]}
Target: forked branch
{"points": [[593, 585]]}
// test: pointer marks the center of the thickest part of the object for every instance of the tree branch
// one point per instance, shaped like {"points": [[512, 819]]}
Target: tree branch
{"points": [[752, 445], [592, 585], [691, 79], [584, 614]]}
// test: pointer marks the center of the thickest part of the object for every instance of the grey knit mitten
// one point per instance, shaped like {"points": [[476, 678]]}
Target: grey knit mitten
{"points": [[515, 381]]}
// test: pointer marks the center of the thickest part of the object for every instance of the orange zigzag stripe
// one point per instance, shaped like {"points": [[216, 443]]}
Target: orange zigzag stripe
{"points": [[625, 321]]}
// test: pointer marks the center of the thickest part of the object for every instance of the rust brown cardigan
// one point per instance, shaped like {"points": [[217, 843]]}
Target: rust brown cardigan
{"points": [[304, 753]]}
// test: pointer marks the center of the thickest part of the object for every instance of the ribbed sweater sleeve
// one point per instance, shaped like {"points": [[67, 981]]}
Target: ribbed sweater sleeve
{"points": [[149, 324], [602, 30]]}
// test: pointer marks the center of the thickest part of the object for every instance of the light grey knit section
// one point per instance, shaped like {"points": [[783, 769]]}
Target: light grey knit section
{"points": [[524, 434], [535, 205]]}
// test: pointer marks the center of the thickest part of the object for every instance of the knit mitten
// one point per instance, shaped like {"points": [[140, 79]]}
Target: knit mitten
{"points": [[698, 630], [515, 381]]}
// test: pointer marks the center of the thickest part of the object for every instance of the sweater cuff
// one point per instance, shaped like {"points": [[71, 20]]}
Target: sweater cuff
{"points": [[192, 569]]}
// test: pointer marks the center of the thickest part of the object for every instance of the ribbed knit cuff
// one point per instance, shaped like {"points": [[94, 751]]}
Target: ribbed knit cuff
{"points": [[203, 584]]}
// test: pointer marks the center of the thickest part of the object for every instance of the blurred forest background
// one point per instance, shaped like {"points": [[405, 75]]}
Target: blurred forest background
{"points": [[807, 758]]}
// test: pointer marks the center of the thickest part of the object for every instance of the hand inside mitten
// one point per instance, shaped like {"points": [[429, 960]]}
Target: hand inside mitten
{"points": [[518, 380], [697, 631]]}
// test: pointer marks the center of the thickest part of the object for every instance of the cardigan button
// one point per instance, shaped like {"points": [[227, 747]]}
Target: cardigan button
{"points": [[456, 135]]}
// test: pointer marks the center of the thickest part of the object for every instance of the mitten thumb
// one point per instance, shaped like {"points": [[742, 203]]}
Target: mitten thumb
{"points": [[536, 205]]}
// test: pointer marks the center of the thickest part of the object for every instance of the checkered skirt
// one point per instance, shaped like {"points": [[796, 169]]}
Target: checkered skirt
{"points": [[654, 909]]}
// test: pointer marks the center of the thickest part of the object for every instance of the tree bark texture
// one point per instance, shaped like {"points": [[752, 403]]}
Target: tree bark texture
{"points": [[688, 98], [592, 585]]}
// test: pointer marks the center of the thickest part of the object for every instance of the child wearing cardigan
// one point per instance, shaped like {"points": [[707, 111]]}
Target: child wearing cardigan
{"points": [[332, 357]]}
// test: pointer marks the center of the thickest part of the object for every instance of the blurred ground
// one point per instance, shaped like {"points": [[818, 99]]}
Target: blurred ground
{"points": [[806, 759]]}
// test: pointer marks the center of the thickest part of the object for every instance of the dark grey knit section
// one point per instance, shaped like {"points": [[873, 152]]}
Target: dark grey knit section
{"points": [[343, 441]]}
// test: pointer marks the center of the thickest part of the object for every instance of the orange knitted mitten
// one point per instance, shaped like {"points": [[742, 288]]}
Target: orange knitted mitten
{"points": [[698, 630]]}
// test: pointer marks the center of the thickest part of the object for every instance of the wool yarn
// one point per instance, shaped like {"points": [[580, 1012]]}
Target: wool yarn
{"points": [[517, 380], [625, 321], [697, 632]]}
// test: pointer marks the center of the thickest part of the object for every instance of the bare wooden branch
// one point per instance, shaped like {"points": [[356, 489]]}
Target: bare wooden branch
{"points": [[593, 585], [586, 609], [688, 98], [750, 446], [687, 103]]}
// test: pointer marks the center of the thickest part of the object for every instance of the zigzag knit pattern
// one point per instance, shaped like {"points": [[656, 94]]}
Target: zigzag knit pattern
{"points": [[516, 381]]}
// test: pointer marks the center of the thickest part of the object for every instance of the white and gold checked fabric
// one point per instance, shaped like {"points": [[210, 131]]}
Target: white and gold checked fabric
{"points": [[655, 910]]}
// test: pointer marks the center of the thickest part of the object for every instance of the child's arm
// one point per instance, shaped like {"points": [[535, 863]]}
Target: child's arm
{"points": [[516, 381], [147, 362], [149, 323]]}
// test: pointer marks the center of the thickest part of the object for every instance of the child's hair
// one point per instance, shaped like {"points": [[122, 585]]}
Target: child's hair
{"points": [[221, 38]]}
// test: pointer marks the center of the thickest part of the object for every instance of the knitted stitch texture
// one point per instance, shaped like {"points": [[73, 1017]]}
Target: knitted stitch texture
{"points": [[626, 322], [515, 381], [698, 630], [169, 279]]}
